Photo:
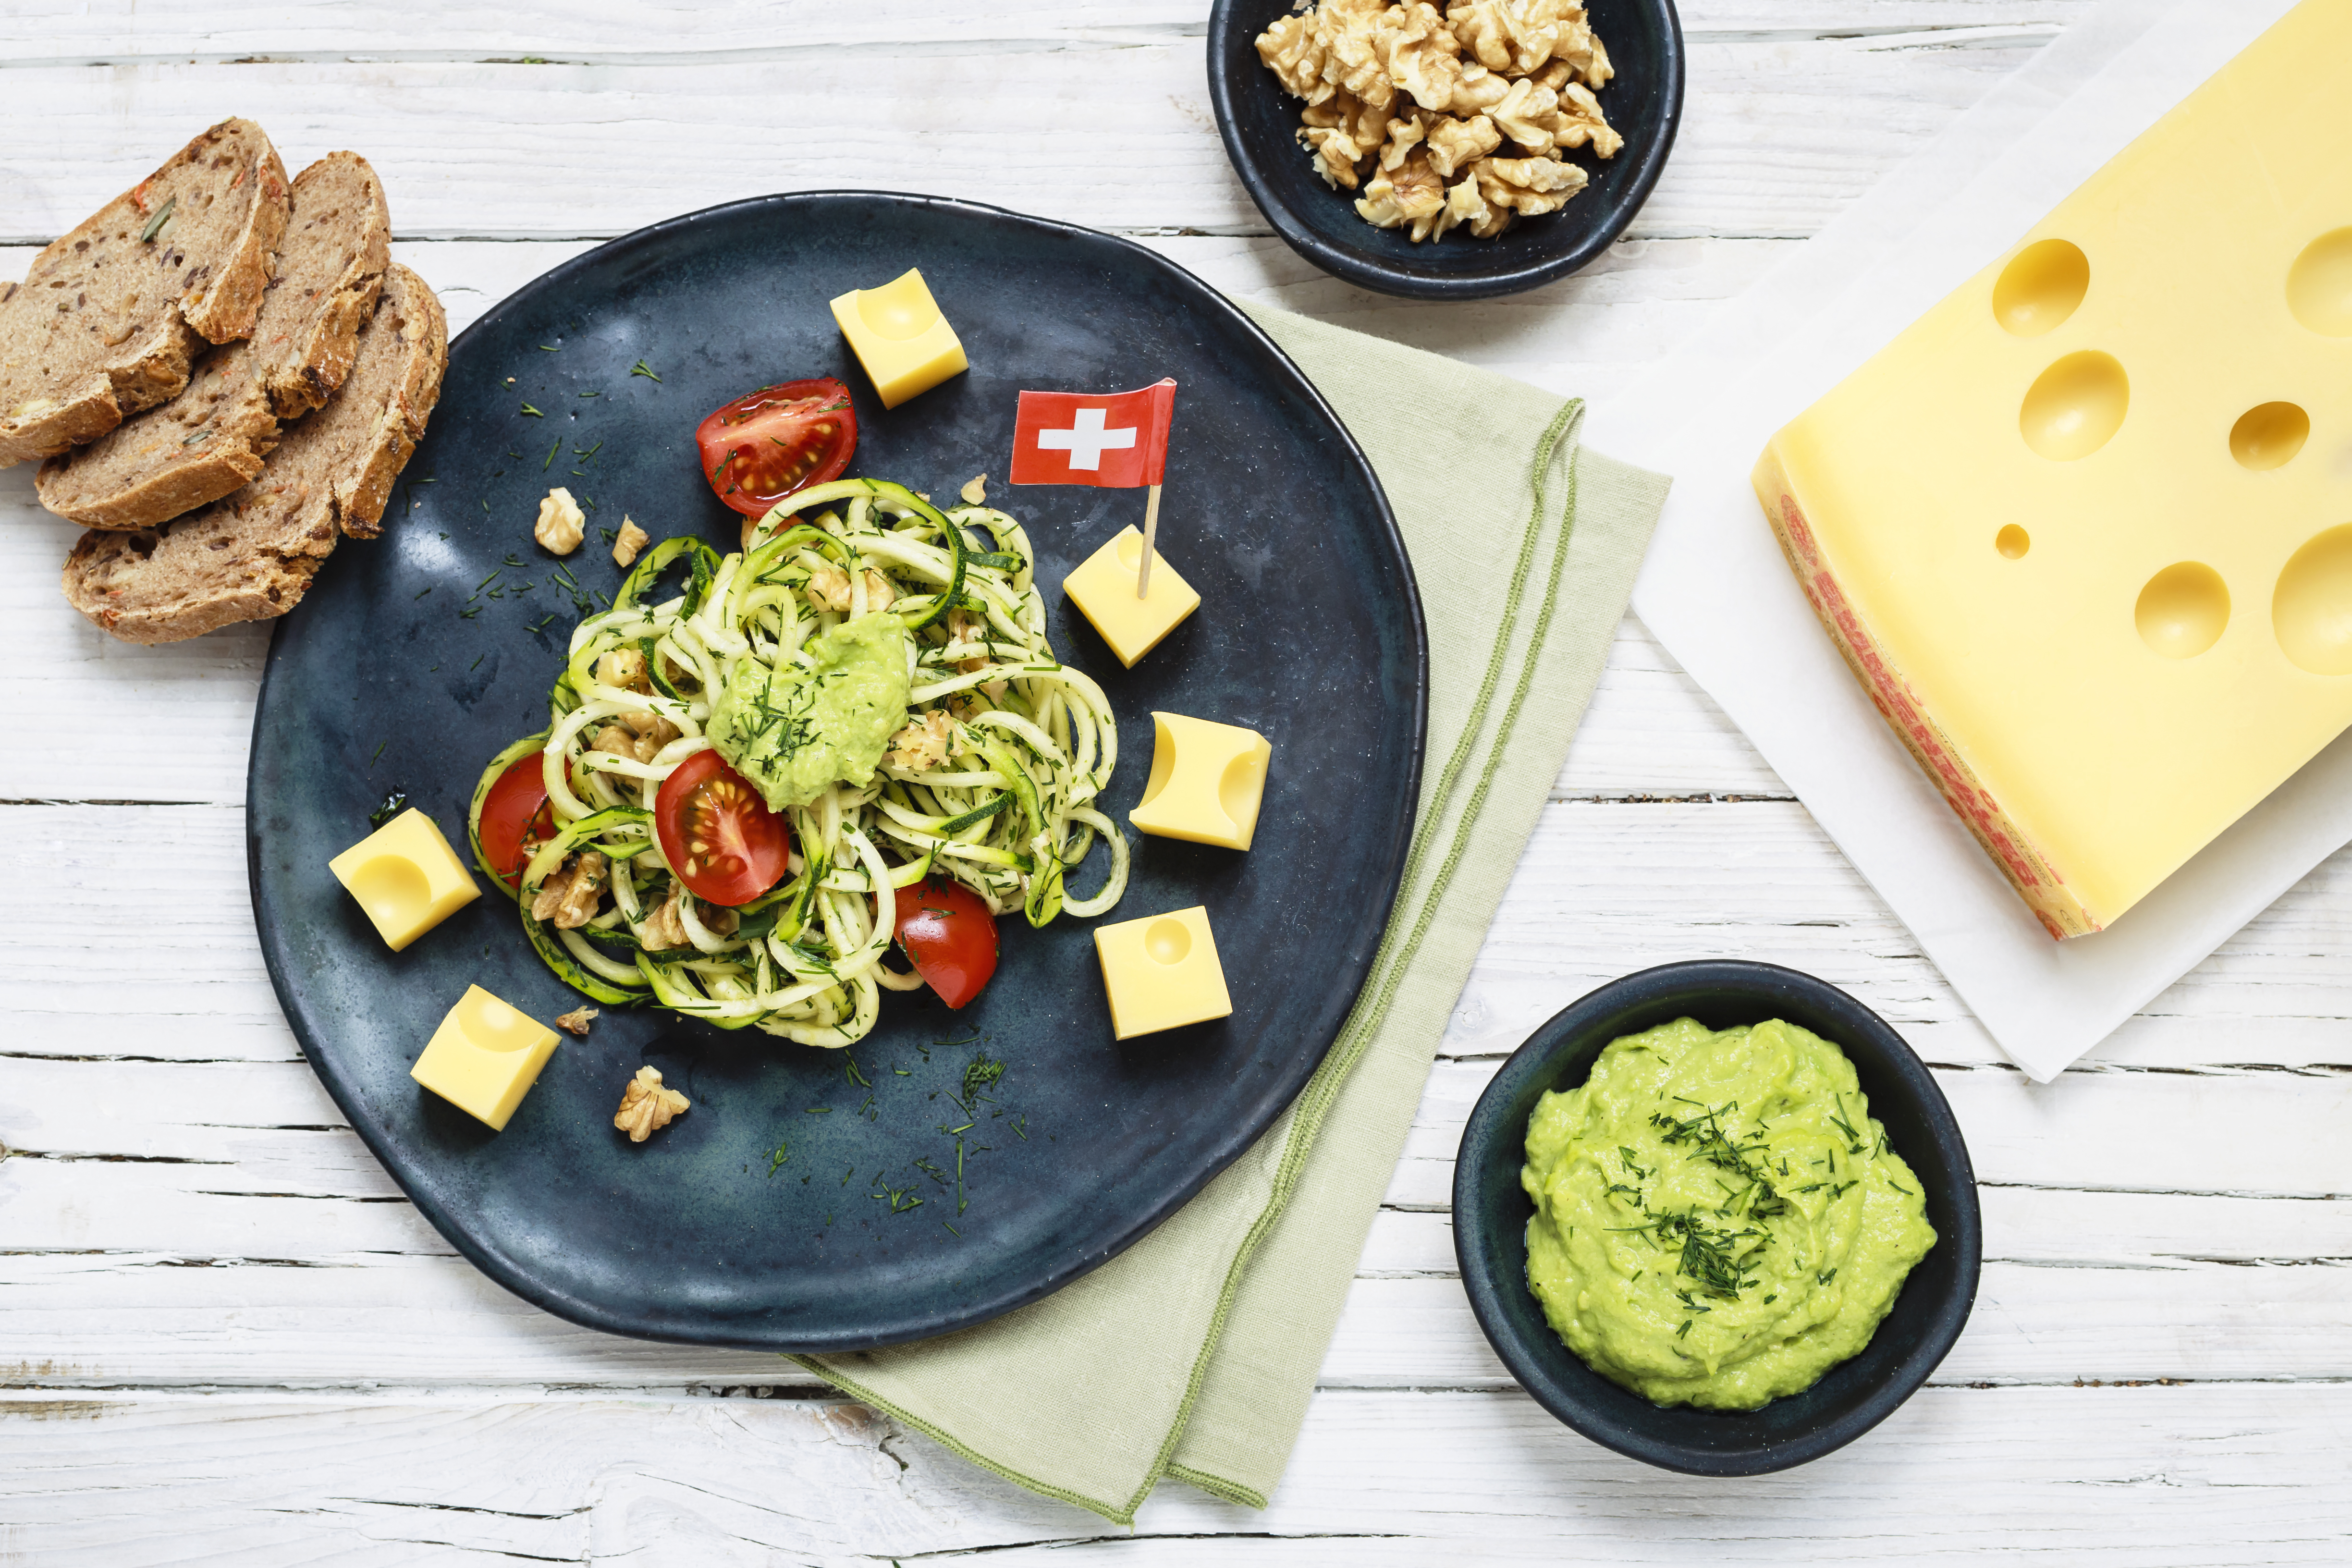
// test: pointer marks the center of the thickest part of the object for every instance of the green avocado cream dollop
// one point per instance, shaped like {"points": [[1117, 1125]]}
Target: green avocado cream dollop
{"points": [[1718, 1220], [793, 730]]}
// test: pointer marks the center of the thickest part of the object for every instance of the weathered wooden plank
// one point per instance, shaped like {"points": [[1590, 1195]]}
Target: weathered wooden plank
{"points": [[2213, 1474], [1780, 134], [70, 32]]}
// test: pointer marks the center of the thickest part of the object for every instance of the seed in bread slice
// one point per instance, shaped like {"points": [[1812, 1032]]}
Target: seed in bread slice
{"points": [[252, 555], [212, 437], [108, 319]]}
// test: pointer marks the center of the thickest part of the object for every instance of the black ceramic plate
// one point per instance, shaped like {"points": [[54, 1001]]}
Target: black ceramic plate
{"points": [[1259, 122], [1491, 1211], [1309, 631]]}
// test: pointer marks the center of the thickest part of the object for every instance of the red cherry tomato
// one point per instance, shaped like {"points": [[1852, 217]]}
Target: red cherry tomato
{"points": [[717, 834], [515, 812], [766, 444], [951, 937]]}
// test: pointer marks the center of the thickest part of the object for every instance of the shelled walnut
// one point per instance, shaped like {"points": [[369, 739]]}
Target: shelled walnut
{"points": [[647, 1106], [1413, 105]]}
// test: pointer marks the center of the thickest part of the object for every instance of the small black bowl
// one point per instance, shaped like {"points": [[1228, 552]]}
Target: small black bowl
{"points": [[1259, 122], [1491, 1214]]}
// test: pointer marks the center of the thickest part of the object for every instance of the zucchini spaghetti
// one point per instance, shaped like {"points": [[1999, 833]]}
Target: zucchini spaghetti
{"points": [[988, 779]]}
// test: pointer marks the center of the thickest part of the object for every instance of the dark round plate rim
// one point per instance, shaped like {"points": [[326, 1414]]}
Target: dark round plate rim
{"points": [[1367, 272], [1351, 966], [1483, 1135]]}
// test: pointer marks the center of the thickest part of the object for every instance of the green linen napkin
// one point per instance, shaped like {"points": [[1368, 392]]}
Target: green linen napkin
{"points": [[1193, 1354]]}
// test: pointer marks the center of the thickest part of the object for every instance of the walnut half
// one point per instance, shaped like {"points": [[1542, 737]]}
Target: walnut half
{"points": [[647, 1106], [560, 523]]}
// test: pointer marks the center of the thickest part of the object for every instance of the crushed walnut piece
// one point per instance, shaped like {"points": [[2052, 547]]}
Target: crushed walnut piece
{"points": [[647, 1106], [568, 898], [975, 493], [575, 1023], [922, 745], [629, 542], [1411, 104], [829, 589], [560, 523]]}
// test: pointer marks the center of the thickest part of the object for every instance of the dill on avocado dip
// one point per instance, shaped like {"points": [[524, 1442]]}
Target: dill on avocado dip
{"points": [[796, 730], [1718, 1219]]}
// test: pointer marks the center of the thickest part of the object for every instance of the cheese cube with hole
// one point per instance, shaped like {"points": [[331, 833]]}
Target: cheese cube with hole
{"points": [[1162, 973], [900, 336], [2083, 530], [406, 876], [484, 1056], [1207, 781], [1103, 588]]}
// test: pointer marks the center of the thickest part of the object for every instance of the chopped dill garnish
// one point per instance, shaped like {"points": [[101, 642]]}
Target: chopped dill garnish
{"points": [[641, 368], [534, 413], [782, 1153]]}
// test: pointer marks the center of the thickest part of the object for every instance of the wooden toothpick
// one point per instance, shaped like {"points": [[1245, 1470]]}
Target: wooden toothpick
{"points": [[1150, 533]]}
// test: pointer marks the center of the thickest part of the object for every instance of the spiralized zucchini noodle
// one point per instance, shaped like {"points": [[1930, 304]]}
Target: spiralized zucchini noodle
{"points": [[991, 782]]}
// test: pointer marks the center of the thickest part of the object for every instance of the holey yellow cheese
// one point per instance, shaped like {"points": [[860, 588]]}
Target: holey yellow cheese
{"points": [[484, 1056], [1162, 973], [900, 336], [1103, 588], [406, 876], [2084, 531], [1207, 781]]}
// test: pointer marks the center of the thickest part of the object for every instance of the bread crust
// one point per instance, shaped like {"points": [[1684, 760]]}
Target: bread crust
{"points": [[109, 318], [252, 555], [213, 436]]}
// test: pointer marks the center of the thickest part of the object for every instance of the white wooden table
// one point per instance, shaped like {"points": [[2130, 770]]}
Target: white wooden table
{"points": [[226, 1337]]}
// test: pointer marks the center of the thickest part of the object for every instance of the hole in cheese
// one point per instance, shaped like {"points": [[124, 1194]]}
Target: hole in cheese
{"points": [[2310, 610], [1130, 551], [2269, 436], [1168, 941], [495, 1026], [898, 311], [2183, 609], [2041, 287], [2075, 406], [2319, 285], [2012, 541], [1238, 790], [392, 888]]}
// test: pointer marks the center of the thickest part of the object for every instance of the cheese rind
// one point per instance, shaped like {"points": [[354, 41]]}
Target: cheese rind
{"points": [[1103, 588], [2072, 530], [484, 1056], [1162, 973], [406, 876], [900, 336], [1207, 781]]}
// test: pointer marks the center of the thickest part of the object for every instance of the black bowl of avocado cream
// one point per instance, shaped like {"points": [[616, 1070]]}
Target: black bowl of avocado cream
{"points": [[1718, 1218]]}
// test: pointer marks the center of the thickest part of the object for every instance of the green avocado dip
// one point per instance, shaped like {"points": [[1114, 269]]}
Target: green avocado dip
{"points": [[794, 731], [1718, 1219]]}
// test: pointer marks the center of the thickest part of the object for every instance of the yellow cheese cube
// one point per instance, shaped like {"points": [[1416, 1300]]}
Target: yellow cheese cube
{"points": [[484, 1056], [901, 338], [407, 878], [1162, 973], [1103, 587], [2065, 529], [1206, 782]]}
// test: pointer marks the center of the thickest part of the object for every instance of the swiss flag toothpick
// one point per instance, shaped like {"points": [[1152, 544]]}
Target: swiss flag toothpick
{"points": [[1117, 439]]}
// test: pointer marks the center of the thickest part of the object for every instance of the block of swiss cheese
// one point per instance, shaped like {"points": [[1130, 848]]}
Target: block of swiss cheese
{"points": [[2083, 531]]}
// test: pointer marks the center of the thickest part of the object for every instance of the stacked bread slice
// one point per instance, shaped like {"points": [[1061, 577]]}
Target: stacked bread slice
{"points": [[214, 482]]}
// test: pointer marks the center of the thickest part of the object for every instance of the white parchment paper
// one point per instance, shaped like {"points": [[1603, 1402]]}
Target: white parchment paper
{"points": [[1718, 593]]}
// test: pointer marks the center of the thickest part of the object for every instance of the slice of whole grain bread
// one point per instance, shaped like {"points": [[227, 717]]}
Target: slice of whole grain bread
{"points": [[212, 437], [251, 555], [108, 319]]}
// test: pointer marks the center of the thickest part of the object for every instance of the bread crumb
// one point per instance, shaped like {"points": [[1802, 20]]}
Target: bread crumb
{"points": [[631, 539], [560, 523]]}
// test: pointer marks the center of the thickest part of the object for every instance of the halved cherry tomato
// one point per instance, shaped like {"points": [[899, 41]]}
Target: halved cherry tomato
{"points": [[949, 936], [766, 444], [717, 833], [516, 813]]}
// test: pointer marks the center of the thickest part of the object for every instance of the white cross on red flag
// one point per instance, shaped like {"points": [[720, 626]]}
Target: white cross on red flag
{"points": [[1117, 439]]}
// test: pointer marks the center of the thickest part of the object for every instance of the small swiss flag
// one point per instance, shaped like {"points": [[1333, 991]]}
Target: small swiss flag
{"points": [[1117, 438]]}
